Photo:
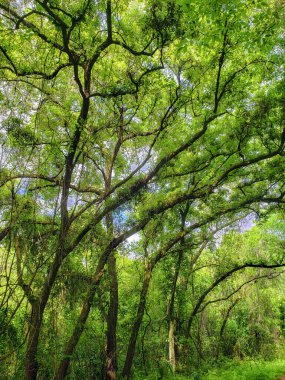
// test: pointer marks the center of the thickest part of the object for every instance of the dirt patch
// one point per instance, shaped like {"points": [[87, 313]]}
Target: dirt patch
{"points": [[282, 377]]}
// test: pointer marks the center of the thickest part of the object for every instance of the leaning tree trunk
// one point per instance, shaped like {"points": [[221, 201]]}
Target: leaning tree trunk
{"points": [[38, 308], [221, 343], [37, 313], [126, 374]]}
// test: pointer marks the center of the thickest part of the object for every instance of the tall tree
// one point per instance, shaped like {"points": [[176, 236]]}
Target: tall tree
{"points": [[110, 111]]}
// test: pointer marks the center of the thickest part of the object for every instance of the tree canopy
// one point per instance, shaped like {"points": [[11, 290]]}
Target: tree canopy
{"points": [[131, 131]]}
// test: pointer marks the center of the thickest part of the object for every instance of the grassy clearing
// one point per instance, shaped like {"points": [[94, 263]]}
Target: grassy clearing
{"points": [[249, 370]]}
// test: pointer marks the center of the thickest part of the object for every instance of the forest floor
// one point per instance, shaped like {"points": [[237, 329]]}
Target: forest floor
{"points": [[248, 370], [234, 370]]}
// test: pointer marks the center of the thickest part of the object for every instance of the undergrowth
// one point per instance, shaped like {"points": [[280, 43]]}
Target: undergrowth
{"points": [[247, 370]]}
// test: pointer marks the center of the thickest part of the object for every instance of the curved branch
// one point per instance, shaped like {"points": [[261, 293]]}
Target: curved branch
{"points": [[254, 279], [56, 182], [4, 233], [32, 27], [221, 279]]}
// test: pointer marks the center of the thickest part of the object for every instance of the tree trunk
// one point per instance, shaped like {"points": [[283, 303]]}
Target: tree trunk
{"points": [[171, 345], [112, 318], [170, 310], [38, 308], [111, 368], [221, 343], [86, 307], [171, 317], [31, 367], [126, 374], [70, 347]]}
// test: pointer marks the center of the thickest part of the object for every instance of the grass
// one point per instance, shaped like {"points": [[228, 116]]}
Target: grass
{"points": [[247, 370]]}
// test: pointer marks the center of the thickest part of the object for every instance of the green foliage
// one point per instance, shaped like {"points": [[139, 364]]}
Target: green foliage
{"points": [[252, 370], [248, 371], [140, 131]]}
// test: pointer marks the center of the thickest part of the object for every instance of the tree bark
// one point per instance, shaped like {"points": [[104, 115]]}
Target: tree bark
{"points": [[38, 308], [171, 344], [31, 368], [31, 365], [70, 347], [171, 317], [111, 365], [170, 310], [126, 374], [221, 343], [86, 307]]}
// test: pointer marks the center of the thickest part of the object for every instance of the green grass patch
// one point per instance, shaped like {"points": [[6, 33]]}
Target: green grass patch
{"points": [[232, 370], [252, 370]]}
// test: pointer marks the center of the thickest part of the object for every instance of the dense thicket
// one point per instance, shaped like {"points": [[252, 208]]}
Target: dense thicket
{"points": [[132, 132]]}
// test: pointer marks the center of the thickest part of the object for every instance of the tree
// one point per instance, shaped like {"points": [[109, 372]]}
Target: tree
{"points": [[120, 114], [247, 294]]}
